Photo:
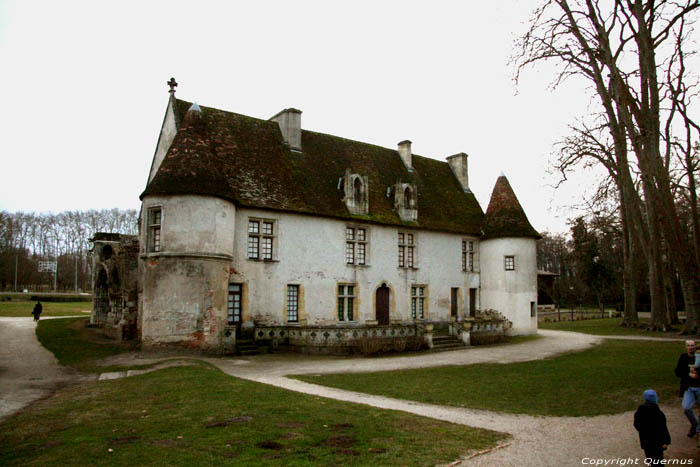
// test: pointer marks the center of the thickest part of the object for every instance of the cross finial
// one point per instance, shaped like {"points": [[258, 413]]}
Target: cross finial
{"points": [[173, 84]]}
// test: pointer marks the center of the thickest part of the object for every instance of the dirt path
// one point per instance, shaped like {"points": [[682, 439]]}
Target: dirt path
{"points": [[27, 370]]}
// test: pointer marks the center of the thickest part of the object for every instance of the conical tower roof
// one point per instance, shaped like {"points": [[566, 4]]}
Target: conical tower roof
{"points": [[504, 216]]}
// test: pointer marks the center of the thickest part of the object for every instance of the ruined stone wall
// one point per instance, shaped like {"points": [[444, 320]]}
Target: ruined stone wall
{"points": [[115, 285]]}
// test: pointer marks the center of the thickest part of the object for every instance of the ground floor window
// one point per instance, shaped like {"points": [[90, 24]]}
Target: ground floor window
{"points": [[417, 302], [292, 303], [346, 302], [234, 303]]}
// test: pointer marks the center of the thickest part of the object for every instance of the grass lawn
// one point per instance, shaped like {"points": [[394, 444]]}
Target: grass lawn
{"points": [[76, 346], [603, 327], [197, 415], [24, 309], [606, 379]]}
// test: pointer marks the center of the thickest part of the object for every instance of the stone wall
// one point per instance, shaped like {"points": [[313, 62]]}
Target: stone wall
{"points": [[115, 285], [330, 339]]}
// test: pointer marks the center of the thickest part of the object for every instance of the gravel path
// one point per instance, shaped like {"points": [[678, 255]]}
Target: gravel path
{"points": [[27, 370]]}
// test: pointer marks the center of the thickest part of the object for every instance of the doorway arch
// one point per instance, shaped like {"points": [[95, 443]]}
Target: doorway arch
{"points": [[382, 304]]}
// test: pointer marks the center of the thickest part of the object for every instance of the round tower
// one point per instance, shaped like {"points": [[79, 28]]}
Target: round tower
{"points": [[509, 261], [186, 241]]}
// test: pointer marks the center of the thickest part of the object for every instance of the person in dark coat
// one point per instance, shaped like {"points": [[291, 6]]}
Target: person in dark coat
{"points": [[37, 310], [650, 422], [685, 361]]}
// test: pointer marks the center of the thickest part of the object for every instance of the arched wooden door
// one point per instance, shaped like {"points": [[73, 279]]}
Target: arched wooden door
{"points": [[382, 305]]}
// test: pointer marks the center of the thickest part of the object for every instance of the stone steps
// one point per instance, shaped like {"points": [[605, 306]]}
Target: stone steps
{"points": [[443, 342], [248, 347]]}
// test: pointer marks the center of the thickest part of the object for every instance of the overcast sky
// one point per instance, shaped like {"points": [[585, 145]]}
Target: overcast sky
{"points": [[83, 89]]}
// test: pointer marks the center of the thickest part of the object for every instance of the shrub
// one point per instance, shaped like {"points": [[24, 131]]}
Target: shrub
{"points": [[485, 338], [415, 343], [400, 344], [370, 345], [379, 345]]}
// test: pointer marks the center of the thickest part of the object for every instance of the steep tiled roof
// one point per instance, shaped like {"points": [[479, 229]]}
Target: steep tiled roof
{"points": [[245, 160], [504, 216]]}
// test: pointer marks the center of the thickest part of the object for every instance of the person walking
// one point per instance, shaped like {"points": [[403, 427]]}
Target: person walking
{"points": [[685, 361], [650, 422], [37, 310]]}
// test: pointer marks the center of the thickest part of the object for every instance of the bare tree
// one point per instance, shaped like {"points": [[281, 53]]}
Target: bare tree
{"points": [[631, 51]]}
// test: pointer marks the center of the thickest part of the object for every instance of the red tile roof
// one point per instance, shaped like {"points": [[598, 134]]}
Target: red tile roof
{"points": [[504, 216]]}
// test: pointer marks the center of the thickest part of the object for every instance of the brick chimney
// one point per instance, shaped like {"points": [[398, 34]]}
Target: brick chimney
{"points": [[458, 164], [405, 153], [289, 121]]}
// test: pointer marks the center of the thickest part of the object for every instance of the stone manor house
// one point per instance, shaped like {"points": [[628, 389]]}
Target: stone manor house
{"points": [[260, 229]]}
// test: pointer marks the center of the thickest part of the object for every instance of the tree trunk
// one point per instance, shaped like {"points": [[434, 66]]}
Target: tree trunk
{"points": [[629, 281]]}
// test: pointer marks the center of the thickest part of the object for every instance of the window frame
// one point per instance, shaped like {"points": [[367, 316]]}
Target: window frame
{"points": [[509, 262], [230, 310], [418, 302], [467, 255], [260, 243], [155, 229], [345, 300], [293, 305], [356, 247], [406, 250]]}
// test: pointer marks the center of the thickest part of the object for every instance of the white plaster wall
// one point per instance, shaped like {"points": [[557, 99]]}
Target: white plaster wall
{"points": [[192, 224], [311, 253], [510, 292], [167, 134]]}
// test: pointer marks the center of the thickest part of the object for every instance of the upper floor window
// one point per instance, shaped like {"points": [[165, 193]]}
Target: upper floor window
{"points": [[261, 238], [356, 245], [417, 302], [406, 250], [292, 303], [407, 198], [346, 302], [467, 256], [509, 262], [154, 226]]}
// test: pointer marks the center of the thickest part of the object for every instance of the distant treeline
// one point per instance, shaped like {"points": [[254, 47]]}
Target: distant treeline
{"points": [[28, 238]]}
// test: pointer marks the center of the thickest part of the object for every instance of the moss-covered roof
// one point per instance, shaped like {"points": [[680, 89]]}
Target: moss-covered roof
{"points": [[504, 216], [245, 160]]}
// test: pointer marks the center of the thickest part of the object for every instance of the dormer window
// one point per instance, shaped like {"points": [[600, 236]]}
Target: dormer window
{"points": [[405, 201], [355, 190], [407, 198]]}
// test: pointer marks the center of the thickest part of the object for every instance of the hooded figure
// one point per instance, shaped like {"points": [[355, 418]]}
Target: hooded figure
{"points": [[37, 310], [650, 422]]}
